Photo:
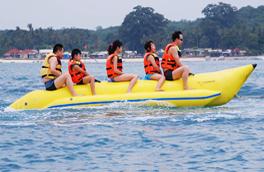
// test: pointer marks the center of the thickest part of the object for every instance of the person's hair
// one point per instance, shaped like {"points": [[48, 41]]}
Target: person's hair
{"points": [[74, 52], [176, 35], [147, 45], [57, 47], [112, 48]]}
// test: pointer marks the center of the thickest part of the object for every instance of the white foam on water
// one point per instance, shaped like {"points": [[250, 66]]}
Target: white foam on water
{"points": [[9, 109], [146, 118], [18, 123], [63, 123], [212, 118]]}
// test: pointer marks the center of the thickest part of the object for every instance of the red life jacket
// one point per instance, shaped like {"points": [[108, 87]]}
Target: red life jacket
{"points": [[75, 75], [110, 66], [168, 61], [149, 69]]}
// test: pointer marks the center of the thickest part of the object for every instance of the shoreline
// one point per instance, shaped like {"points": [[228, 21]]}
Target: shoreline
{"points": [[184, 59]]}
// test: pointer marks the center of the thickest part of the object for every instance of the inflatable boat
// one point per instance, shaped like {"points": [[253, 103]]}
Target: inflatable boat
{"points": [[208, 89]]}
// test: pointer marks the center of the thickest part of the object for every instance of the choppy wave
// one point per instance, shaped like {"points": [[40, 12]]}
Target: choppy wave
{"points": [[129, 112], [131, 136]]}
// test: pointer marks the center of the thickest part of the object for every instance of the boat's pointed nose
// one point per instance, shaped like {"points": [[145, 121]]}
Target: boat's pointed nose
{"points": [[254, 65]]}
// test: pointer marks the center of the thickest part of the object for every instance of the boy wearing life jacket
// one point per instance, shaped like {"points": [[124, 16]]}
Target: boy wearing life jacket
{"points": [[171, 64], [114, 66], [152, 65], [78, 72], [51, 72]]}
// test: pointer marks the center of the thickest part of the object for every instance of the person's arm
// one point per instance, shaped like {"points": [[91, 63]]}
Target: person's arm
{"points": [[152, 61], [116, 70], [78, 69], [53, 63], [175, 55]]}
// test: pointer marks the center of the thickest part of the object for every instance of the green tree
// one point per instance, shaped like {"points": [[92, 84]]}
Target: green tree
{"points": [[222, 13], [30, 27], [139, 25], [211, 32], [222, 27], [218, 17]]}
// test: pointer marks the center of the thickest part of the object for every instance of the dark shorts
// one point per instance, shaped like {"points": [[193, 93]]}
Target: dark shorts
{"points": [[50, 85], [168, 75], [80, 83]]}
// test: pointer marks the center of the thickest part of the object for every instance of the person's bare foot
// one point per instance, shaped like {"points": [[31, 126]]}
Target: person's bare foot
{"points": [[159, 90], [77, 95]]}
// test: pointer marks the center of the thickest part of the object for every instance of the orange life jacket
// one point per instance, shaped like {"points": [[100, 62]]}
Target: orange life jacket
{"points": [[110, 66], [168, 62], [76, 75], [149, 69]]}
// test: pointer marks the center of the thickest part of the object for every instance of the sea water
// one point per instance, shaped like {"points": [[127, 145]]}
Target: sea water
{"points": [[132, 137]]}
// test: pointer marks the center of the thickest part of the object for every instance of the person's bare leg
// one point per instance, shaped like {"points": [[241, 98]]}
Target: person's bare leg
{"points": [[160, 78], [128, 77], [63, 79], [91, 80], [132, 83], [185, 76], [182, 72]]}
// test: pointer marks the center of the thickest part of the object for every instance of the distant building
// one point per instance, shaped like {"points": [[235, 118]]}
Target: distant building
{"points": [[85, 54], [99, 55], [44, 52], [238, 52], [125, 54], [227, 53], [215, 52], [13, 53], [21, 54], [67, 55], [193, 52], [130, 54], [209, 52]]}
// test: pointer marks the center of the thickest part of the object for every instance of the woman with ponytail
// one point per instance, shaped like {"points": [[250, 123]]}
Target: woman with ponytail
{"points": [[114, 66]]}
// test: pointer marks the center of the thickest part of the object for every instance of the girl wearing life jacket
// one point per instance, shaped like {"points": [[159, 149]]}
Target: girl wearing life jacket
{"points": [[171, 64], [51, 72], [152, 65], [114, 66], [78, 71]]}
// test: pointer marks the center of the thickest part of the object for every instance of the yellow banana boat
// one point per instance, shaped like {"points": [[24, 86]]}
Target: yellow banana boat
{"points": [[209, 89]]}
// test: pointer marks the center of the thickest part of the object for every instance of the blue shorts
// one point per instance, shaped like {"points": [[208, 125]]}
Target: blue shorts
{"points": [[50, 85], [148, 77], [111, 80]]}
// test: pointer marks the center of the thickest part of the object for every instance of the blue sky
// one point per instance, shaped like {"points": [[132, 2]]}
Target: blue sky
{"points": [[90, 14]]}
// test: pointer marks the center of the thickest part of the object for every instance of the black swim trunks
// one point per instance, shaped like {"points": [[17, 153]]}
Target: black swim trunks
{"points": [[50, 85], [168, 75], [80, 83]]}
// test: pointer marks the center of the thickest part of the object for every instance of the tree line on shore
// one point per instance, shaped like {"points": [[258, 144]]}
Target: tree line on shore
{"points": [[222, 27]]}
